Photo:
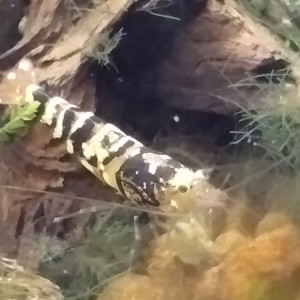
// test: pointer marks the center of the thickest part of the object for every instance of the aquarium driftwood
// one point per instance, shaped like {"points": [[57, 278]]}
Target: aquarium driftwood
{"points": [[214, 50], [274, 22], [60, 37]]}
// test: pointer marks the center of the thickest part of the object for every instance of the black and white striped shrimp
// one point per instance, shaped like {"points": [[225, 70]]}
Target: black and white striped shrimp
{"points": [[138, 173]]}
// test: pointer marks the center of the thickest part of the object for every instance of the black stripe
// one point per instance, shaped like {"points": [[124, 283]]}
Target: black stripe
{"points": [[137, 193], [119, 184], [122, 185], [93, 161], [134, 175], [69, 118], [56, 114], [105, 143], [118, 153], [41, 96], [81, 135]]}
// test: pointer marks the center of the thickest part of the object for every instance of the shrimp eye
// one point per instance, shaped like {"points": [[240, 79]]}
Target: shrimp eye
{"points": [[183, 188]]}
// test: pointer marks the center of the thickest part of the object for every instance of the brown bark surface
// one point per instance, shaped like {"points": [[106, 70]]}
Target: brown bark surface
{"points": [[58, 36], [209, 53]]}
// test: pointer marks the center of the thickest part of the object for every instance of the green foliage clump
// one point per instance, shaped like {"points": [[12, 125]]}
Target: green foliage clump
{"points": [[14, 120], [274, 126], [104, 252], [42, 250]]}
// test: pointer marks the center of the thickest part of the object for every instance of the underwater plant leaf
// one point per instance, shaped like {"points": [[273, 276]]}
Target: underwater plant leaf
{"points": [[15, 120]]}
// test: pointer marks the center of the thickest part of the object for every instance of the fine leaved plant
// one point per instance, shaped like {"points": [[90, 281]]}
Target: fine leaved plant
{"points": [[272, 124]]}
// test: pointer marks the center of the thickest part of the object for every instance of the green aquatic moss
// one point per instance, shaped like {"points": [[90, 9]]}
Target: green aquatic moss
{"points": [[104, 252], [273, 125]]}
